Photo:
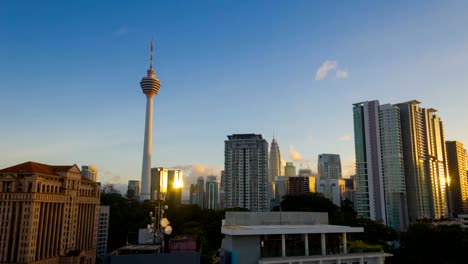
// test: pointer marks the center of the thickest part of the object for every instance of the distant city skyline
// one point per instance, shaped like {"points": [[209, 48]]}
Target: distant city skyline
{"points": [[70, 81]]}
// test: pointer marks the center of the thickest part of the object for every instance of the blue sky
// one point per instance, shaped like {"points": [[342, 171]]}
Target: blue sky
{"points": [[70, 72]]}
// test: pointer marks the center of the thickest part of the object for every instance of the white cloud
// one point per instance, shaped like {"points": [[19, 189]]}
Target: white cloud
{"points": [[121, 31], [341, 74], [294, 154], [345, 138], [324, 69], [327, 66]]}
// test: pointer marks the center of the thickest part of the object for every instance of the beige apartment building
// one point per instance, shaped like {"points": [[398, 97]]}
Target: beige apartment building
{"points": [[48, 214]]}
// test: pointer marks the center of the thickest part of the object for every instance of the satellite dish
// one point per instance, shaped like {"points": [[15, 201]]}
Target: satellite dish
{"points": [[164, 222], [165, 207], [168, 230]]}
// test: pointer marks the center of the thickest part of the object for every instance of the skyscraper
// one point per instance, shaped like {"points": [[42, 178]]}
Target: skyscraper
{"points": [[201, 191], [290, 169], [174, 187], [48, 214], [193, 193], [380, 192], [424, 161], [212, 193], [332, 189], [150, 85], [458, 184], [329, 166], [246, 172], [103, 230], [134, 187], [275, 161], [90, 172]]}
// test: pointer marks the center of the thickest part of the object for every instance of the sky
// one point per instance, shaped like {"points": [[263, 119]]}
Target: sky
{"points": [[70, 73]]}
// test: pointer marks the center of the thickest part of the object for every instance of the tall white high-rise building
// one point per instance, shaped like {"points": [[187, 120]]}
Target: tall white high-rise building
{"points": [[329, 166], [150, 85], [380, 192], [246, 172]]}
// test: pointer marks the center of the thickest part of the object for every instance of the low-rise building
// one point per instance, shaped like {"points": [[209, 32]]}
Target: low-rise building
{"points": [[288, 237]]}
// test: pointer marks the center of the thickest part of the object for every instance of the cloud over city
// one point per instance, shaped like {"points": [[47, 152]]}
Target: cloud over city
{"points": [[328, 66], [294, 154]]}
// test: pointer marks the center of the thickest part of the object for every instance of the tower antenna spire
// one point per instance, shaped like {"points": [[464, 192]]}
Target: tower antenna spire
{"points": [[151, 54]]}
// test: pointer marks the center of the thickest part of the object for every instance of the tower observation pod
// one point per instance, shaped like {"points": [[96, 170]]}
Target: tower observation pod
{"points": [[150, 87]]}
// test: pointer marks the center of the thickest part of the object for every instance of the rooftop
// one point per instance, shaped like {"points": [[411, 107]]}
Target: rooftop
{"points": [[287, 229]]}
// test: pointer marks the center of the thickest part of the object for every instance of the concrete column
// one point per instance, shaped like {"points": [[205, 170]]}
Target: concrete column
{"points": [[283, 245], [306, 240], [345, 247], [324, 245]]}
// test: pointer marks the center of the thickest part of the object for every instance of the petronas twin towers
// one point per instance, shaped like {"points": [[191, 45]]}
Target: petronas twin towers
{"points": [[275, 161]]}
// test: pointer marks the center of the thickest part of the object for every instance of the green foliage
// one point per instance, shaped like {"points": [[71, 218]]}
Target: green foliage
{"points": [[358, 246], [126, 217], [425, 243]]}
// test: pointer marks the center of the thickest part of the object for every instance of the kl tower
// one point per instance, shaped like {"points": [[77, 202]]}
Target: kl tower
{"points": [[150, 86]]}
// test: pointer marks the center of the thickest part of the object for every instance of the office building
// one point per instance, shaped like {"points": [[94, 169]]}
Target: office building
{"points": [[332, 189], [458, 184], [329, 166], [158, 183], [290, 169], [49, 214], [193, 193], [134, 187], [201, 191], [212, 193], [169, 183], [425, 163], [296, 185], [349, 188], [103, 230], [280, 188], [309, 180], [246, 172], [90, 172], [150, 85], [175, 183], [380, 191]]}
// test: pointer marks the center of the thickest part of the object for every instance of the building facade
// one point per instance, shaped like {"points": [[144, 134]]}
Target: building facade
{"points": [[212, 193], [275, 161], [90, 172], [290, 169], [246, 172], [49, 214], [329, 166], [380, 192], [424, 161], [458, 184], [201, 191], [332, 189], [134, 187], [103, 230]]}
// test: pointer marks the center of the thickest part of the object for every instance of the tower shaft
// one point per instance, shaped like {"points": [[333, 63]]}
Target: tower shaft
{"points": [[147, 150]]}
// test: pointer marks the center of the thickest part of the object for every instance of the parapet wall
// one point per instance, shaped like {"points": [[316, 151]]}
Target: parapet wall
{"points": [[275, 218]]}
